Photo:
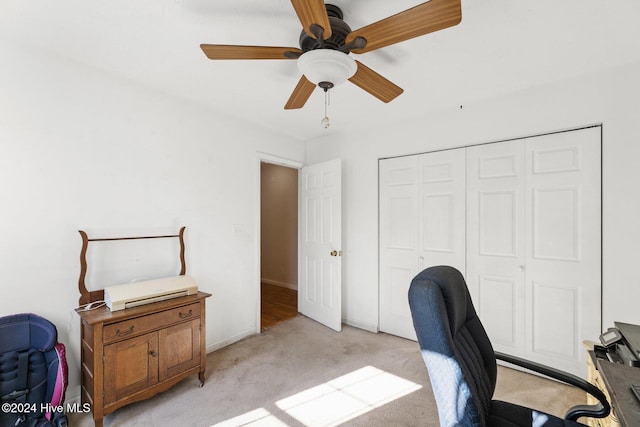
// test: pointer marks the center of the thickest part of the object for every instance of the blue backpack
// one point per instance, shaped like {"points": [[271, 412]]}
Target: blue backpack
{"points": [[33, 372]]}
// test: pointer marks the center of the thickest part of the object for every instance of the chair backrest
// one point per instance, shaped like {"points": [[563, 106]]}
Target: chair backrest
{"points": [[455, 347], [33, 369]]}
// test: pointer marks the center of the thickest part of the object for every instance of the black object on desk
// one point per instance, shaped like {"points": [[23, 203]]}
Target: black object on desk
{"points": [[620, 344]]}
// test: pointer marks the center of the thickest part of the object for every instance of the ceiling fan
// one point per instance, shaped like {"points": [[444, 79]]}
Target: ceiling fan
{"points": [[326, 42]]}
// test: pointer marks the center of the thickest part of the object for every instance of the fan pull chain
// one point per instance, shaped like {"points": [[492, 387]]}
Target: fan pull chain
{"points": [[325, 120]]}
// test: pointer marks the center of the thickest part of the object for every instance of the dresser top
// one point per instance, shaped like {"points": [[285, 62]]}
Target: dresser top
{"points": [[104, 315]]}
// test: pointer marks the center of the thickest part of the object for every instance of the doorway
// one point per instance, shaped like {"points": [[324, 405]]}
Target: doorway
{"points": [[278, 243]]}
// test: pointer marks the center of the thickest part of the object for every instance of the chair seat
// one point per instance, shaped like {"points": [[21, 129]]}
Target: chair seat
{"points": [[505, 414]]}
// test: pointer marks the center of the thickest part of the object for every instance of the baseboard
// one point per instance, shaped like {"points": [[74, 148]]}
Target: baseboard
{"points": [[361, 325], [281, 284], [228, 341]]}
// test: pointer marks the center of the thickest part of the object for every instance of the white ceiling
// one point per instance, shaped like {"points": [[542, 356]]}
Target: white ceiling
{"points": [[500, 46]]}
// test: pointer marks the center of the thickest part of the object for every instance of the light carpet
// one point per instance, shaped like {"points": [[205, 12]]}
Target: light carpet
{"points": [[300, 373]]}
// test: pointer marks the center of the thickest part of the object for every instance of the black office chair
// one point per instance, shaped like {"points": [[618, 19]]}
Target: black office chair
{"points": [[462, 364]]}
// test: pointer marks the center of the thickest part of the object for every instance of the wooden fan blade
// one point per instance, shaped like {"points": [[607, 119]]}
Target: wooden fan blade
{"points": [[221, 51], [422, 19], [312, 12], [372, 82], [300, 94]]}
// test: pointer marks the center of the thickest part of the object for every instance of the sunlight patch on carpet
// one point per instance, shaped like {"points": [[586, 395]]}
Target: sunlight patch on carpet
{"points": [[255, 418], [346, 397]]}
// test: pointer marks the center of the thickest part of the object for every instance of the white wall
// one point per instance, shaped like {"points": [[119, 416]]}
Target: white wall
{"points": [[279, 225], [610, 98], [83, 150]]}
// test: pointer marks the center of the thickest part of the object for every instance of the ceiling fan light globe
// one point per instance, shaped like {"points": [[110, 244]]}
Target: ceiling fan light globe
{"points": [[327, 65]]}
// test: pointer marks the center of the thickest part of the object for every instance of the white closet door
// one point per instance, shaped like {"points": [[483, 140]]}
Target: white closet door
{"points": [[533, 232], [398, 242], [563, 251], [495, 241], [532, 251], [422, 211]]}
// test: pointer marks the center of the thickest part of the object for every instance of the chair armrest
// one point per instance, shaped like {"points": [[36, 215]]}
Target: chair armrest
{"points": [[599, 410]]}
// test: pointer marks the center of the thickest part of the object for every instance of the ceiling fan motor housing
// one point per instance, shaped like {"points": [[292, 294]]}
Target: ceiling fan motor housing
{"points": [[339, 32]]}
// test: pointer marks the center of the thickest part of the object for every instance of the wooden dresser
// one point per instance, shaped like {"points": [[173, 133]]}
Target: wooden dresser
{"points": [[132, 354]]}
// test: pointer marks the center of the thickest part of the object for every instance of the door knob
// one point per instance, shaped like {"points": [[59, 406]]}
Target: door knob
{"points": [[521, 268], [334, 253]]}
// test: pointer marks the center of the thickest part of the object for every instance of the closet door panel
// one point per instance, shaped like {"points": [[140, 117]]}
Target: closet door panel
{"points": [[563, 253], [556, 223], [495, 236], [555, 307], [399, 242], [422, 205], [501, 294], [442, 209], [498, 223]]}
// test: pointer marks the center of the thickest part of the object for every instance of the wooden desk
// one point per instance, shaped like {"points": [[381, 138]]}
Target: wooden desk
{"points": [[617, 379]]}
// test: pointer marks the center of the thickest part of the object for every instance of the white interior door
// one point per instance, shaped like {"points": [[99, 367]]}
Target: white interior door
{"points": [[320, 248], [422, 205]]}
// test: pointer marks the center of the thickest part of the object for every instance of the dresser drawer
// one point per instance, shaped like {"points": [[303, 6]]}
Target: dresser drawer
{"points": [[140, 325]]}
